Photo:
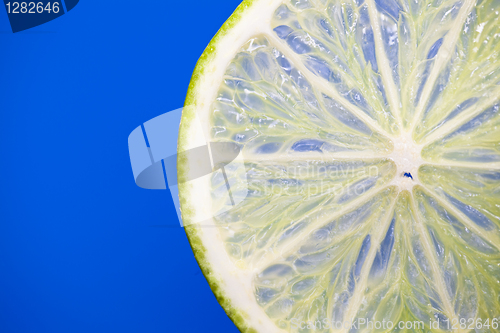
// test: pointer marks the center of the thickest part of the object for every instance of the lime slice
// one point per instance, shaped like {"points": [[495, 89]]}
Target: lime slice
{"points": [[370, 187]]}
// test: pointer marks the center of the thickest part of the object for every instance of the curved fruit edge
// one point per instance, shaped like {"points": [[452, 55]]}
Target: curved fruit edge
{"points": [[238, 317]]}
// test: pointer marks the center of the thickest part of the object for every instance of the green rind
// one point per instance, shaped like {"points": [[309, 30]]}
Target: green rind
{"points": [[238, 317]]}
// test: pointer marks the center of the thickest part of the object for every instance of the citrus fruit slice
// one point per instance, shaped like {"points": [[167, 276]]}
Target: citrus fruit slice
{"points": [[369, 197]]}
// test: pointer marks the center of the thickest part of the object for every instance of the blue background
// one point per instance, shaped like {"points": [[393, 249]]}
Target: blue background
{"points": [[80, 250]]}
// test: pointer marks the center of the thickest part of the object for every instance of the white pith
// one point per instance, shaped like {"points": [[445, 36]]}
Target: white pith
{"points": [[236, 279], [235, 282]]}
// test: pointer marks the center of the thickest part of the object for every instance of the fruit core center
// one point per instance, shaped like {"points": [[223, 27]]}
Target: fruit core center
{"points": [[407, 157]]}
